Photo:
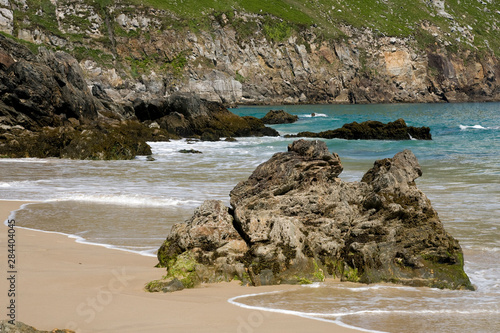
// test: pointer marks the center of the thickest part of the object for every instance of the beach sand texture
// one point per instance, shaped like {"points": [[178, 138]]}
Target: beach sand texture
{"points": [[64, 284]]}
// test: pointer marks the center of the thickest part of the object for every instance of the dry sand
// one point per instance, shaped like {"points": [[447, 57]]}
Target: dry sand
{"points": [[64, 284]]}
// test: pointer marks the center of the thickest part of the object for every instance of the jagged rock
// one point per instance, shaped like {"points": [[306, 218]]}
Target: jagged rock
{"points": [[372, 130], [47, 110], [209, 237], [295, 221], [279, 117], [188, 115], [19, 327], [41, 90]]}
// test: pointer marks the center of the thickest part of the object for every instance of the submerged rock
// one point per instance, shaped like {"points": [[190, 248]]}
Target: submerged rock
{"points": [[294, 221], [279, 117], [190, 151], [373, 130]]}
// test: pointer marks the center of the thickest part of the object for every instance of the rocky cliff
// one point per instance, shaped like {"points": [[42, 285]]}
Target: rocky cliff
{"points": [[294, 221], [47, 110], [316, 52]]}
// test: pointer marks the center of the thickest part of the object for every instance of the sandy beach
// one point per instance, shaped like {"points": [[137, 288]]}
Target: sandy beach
{"points": [[87, 288]]}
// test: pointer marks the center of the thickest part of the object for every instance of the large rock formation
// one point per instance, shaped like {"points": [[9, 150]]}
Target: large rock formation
{"points": [[41, 90], [372, 130], [295, 221], [47, 110]]}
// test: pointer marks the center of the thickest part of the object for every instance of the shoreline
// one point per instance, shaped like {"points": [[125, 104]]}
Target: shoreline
{"points": [[65, 284], [77, 239]]}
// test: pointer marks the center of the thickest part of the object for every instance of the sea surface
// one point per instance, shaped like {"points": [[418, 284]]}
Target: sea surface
{"points": [[131, 205]]}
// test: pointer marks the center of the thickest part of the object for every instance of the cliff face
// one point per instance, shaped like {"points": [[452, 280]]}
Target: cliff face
{"points": [[132, 51]]}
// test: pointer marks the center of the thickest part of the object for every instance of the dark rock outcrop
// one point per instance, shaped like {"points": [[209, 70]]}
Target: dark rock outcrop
{"points": [[279, 117], [41, 90], [106, 141], [188, 115], [47, 110], [295, 221], [372, 130]]}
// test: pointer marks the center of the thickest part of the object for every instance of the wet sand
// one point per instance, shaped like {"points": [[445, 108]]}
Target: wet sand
{"points": [[87, 288]]}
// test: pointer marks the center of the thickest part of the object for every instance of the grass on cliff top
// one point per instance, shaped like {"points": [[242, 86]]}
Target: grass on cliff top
{"points": [[388, 17]]}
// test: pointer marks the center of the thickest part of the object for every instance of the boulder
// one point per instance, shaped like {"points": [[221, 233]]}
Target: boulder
{"points": [[373, 130], [294, 221], [279, 117]]}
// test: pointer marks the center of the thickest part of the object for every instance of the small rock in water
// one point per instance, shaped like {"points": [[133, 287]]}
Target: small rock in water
{"points": [[279, 117], [190, 151]]}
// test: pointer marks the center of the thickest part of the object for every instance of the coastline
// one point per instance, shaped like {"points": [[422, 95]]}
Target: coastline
{"points": [[65, 284]]}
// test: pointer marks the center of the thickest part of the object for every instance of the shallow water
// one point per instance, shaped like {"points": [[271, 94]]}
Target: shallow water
{"points": [[133, 204]]}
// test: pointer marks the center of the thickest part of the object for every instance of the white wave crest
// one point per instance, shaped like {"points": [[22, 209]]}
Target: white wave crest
{"points": [[466, 127], [25, 160], [18, 183], [310, 115], [128, 200]]}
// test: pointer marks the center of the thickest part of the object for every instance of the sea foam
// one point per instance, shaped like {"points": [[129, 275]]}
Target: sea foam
{"points": [[466, 127], [309, 115], [310, 315], [127, 200]]}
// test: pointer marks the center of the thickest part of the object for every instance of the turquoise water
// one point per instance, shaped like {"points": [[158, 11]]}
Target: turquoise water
{"points": [[132, 205]]}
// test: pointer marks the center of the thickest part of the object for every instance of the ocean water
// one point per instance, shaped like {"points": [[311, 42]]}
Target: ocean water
{"points": [[131, 205]]}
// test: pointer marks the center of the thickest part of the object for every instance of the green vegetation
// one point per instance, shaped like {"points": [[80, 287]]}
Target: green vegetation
{"points": [[318, 272], [302, 280], [351, 274], [40, 13], [275, 30], [471, 25], [101, 58], [31, 46], [391, 17], [240, 78]]}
